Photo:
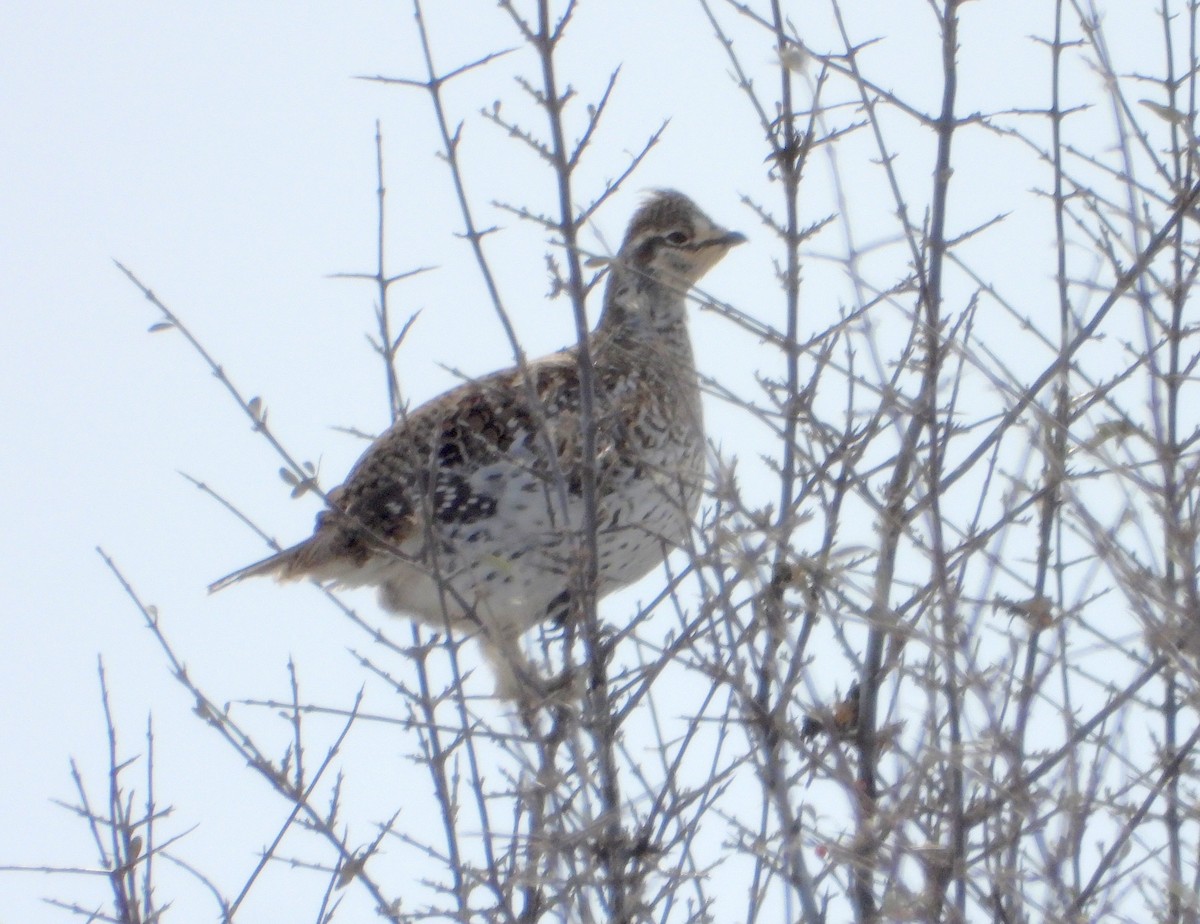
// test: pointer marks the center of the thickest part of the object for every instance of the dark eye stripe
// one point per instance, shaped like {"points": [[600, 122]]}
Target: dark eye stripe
{"points": [[652, 243]]}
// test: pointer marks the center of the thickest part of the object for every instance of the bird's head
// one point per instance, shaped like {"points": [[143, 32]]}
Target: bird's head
{"points": [[670, 241]]}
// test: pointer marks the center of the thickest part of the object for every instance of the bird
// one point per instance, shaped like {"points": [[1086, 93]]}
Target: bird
{"points": [[466, 513]]}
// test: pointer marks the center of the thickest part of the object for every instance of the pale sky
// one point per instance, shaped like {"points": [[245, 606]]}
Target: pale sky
{"points": [[223, 152]]}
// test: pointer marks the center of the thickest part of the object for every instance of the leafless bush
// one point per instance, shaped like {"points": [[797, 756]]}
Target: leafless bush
{"points": [[931, 656]]}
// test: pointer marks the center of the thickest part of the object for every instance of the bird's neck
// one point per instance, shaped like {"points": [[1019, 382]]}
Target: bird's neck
{"points": [[642, 306], [645, 329]]}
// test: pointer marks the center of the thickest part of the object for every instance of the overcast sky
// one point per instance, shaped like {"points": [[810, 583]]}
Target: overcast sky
{"points": [[224, 152]]}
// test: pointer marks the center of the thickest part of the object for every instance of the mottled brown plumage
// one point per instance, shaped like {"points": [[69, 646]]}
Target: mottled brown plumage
{"points": [[464, 511]]}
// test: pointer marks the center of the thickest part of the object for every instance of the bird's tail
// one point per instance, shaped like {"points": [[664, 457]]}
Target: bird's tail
{"points": [[282, 566]]}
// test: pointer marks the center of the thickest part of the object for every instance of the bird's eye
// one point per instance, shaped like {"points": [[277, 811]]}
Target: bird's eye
{"points": [[678, 238]]}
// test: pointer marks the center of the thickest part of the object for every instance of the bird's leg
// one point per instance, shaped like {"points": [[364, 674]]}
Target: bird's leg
{"points": [[517, 679]]}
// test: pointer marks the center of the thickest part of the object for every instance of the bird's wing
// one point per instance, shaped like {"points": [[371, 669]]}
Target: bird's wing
{"points": [[432, 468]]}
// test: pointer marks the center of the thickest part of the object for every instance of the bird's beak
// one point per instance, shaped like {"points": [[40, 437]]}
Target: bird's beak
{"points": [[731, 239]]}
